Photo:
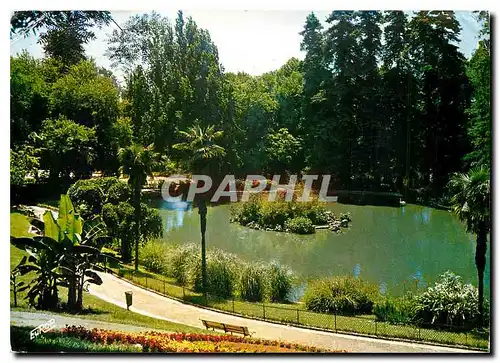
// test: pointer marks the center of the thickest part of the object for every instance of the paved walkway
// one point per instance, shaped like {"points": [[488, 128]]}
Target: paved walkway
{"points": [[156, 306]]}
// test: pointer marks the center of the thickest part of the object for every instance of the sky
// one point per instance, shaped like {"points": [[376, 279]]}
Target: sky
{"points": [[254, 42]]}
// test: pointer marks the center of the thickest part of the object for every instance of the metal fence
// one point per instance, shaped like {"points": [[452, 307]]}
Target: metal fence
{"points": [[361, 325]]}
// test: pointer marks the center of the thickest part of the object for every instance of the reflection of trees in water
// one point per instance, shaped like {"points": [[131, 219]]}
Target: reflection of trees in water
{"points": [[357, 270], [426, 215], [383, 287], [175, 213]]}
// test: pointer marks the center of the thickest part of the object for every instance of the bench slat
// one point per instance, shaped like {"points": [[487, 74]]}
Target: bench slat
{"points": [[226, 327]]}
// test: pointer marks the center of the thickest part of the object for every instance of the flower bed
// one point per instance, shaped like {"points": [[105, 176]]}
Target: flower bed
{"points": [[189, 343]]}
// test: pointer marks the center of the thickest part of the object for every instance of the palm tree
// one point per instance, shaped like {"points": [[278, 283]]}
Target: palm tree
{"points": [[203, 154], [138, 163], [470, 201]]}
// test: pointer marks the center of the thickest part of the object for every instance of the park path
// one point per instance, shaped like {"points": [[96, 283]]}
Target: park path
{"points": [[154, 305]]}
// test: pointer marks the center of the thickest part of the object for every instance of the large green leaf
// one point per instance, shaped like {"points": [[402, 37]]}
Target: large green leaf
{"points": [[24, 269], [85, 249], [51, 227], [69, 222]]}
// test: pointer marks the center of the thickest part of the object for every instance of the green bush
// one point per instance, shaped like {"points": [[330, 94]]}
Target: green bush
{"points": [[118, 192], [252, 282], [274, 214], [247, 212], [151, 223], [395, 310], [153, 255], [181, 260], [221, 273], [343, 295], [449, 301], [317, 213], [300, 225], [87, 197], [280, 282], [227, 275]]}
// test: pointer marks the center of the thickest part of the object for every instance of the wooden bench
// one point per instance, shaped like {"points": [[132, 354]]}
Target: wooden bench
{"points": [[227, 328]]}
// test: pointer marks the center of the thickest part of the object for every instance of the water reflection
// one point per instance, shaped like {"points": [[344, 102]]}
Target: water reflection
{"points": [[426, 215], [357, 270], [383, 287], [418, 279], [175, 219], [177, 206]]}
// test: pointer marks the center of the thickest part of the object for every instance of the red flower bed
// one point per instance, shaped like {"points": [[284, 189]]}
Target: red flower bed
{"points": [[188, 342]]}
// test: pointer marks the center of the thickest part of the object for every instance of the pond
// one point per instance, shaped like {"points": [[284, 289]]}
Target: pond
{"points": [[397, 248]]}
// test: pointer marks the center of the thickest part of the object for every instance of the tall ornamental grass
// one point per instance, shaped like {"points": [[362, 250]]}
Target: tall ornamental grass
{"points": [[341, 294]]}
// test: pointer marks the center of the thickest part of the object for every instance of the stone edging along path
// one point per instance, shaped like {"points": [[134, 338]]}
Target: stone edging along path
{"points": [[156, 305]]}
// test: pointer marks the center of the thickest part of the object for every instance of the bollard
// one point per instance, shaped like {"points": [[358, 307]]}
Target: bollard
{"points": [[233, 305], [128, 299], [335, 320], [264, 311], [146, 281], [164, 287], [298, 320]]}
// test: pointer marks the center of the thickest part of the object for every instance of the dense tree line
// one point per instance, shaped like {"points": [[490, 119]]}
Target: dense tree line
{"points": [[383, 101]]}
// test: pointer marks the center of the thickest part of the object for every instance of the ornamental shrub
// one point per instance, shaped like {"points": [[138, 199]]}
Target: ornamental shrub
{"points": [[344, 295], [400, 310], [222, 269], [153, 255], [449, 301], [300, 225], [279, 281], [252, 282]]}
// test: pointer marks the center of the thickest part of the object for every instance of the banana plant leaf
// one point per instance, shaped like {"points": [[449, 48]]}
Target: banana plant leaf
{"points": [[70, 223], [24, 269], [40, 224], [94, 277], [51, 229]]}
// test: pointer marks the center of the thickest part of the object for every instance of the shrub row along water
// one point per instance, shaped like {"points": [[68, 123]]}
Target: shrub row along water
{"points": [[448, 302], [283, 216], [227, 275]]}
